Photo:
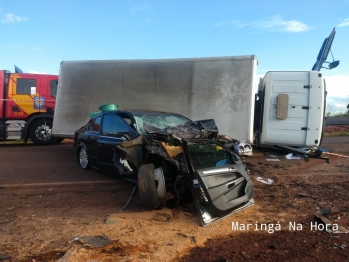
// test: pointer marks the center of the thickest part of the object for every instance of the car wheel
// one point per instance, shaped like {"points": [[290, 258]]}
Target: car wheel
{"points": [[147, 187], [83, 158], [40, 132]]}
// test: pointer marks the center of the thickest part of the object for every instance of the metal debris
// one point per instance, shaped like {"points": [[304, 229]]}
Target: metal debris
{"points": [[192, 238], [267, 181], [321, 214], [95, 241]]}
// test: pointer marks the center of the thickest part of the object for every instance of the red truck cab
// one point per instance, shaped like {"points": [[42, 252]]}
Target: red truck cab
{"points": [[27, 103]]}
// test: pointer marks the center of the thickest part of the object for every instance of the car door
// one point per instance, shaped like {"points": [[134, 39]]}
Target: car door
{"points": [[90, 139], [114, 130], [220, 183]]}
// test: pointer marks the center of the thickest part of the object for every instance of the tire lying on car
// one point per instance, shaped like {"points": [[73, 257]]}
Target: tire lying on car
{"points": [[147, 187]]}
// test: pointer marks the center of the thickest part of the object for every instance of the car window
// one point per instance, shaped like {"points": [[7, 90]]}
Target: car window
{"points": [[95, 124], [205, 155], [114, 124]]}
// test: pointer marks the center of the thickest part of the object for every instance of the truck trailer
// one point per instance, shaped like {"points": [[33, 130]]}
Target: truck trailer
{"points": [[27, 104], [288, 108]]}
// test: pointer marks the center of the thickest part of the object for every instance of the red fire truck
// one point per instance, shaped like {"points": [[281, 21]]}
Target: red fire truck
{"points": [[27, 103]]}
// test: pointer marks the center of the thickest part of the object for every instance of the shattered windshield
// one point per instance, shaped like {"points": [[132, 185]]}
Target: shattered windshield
{"points": [[206, 155], [154, 122]]}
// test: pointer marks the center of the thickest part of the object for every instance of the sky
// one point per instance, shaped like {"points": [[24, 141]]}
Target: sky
{"points": [[38, 35]]}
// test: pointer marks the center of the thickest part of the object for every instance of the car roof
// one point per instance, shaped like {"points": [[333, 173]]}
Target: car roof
{"points": [[140, 111]]}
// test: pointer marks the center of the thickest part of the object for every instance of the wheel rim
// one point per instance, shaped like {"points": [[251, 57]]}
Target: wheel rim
{"points": [[43, 132], [83, 158]]}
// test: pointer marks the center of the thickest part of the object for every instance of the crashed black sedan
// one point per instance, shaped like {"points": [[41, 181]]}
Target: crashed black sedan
{"points": [[158, 150]]}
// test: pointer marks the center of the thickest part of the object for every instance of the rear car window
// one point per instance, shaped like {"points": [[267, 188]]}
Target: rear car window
{"points": [[95, 124]]}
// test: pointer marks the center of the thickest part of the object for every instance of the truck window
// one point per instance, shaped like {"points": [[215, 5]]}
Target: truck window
{"points": [[95, 124], [24, 86], [53, 87]]}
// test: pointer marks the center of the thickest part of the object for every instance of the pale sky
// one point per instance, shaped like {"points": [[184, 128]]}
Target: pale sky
{"points": [[284, 35]]}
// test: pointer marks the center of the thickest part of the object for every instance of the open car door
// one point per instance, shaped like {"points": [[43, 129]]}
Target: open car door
{"points": [[220, 183]]}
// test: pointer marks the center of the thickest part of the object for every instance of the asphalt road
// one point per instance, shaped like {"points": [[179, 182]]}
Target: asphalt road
{"points": [[41, 166], [337, 121], [56, 166]]}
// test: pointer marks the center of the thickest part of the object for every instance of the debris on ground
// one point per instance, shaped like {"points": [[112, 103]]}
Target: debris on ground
{"points": [[95, 241], [267, 181]]}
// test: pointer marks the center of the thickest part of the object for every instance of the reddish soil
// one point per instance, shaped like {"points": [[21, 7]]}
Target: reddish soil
{"points": [[82, 223], [336, 129]]}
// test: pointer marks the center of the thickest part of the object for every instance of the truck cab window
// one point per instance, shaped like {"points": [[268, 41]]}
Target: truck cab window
{"points": [[53, 87], [24, 86], [95, 124]]}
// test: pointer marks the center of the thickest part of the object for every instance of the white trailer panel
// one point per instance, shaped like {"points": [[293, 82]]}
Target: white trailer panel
{"points": [[199, 88]]}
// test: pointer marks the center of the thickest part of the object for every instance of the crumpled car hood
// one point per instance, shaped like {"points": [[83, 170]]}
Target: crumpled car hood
{"points": [[201, 129]]}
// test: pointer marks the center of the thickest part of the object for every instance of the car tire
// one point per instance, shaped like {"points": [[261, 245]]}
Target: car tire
{"points": [[40, 132], [83, 158], [147, 187]]}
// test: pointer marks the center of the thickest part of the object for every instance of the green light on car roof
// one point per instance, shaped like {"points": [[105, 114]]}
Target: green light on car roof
{"points": [[108, 107]]}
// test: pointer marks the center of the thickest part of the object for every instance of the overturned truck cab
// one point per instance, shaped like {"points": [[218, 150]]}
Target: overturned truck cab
{"points": [[158, 150]]}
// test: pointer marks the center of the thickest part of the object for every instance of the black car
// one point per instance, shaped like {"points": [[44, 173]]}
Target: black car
{"points": [[158, 150]]}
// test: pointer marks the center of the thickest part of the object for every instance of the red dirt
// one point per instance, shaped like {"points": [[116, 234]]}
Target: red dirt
{"points": [[336, 129], [49, 222]]}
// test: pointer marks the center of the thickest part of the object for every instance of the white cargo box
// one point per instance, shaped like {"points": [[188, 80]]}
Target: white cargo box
{"points": [[198, 88]]}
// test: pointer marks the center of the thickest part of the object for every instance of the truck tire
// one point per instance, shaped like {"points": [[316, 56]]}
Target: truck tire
{"points": [[40, 132], [147, 187]]}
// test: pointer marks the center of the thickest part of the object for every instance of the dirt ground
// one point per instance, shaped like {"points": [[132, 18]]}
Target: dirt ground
{"points": [[72, 222], [336, 129]]}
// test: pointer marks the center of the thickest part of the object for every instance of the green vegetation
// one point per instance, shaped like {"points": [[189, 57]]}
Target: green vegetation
{"points": [[336, 134], [331, 113], [14, 142]]}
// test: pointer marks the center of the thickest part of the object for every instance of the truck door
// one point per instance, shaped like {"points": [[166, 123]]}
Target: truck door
{"points": [[47, 92], [2, 87], [51, 101], [219, 180], [92, 134], [21, 93]]}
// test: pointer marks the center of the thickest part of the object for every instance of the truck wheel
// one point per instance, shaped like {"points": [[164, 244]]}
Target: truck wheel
{"points": [[83, 158], [40, 132], [147, 187]]}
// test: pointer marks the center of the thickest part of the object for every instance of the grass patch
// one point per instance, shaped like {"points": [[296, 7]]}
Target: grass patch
{"points": [[15, 142], [336, 134]]}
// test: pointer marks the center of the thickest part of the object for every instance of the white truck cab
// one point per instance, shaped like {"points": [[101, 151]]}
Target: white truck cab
{"points": [[290, 109]]}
